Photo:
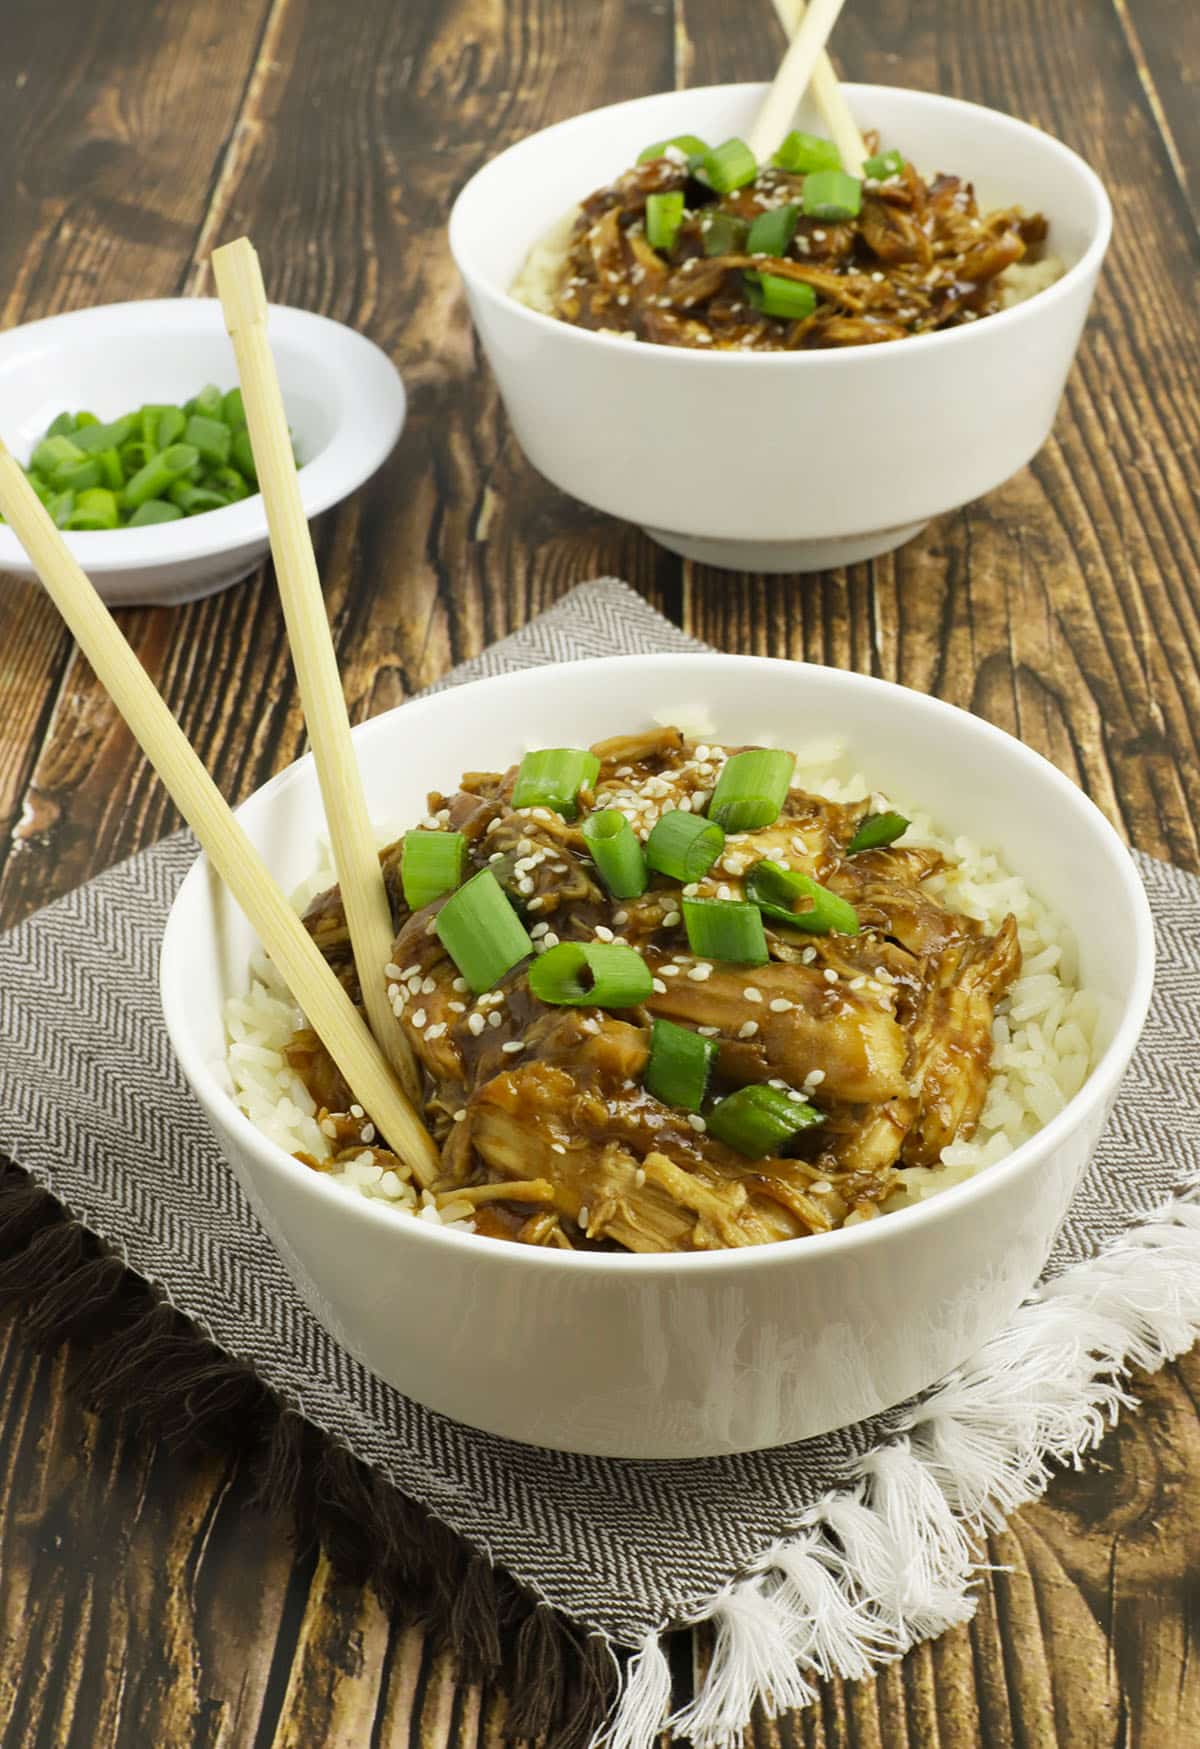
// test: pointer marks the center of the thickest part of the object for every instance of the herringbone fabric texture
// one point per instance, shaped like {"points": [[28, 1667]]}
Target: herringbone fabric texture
{"points": [[92, 1105]]}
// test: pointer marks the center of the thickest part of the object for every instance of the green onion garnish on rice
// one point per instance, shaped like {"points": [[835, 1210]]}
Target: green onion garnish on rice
{"points": [[481, 932], [664, 215], [726, 929], [616, 852], [751, 789], [431, 863], [552, 777], [729, 166], [884, 164], [592, 974], [832, 195], [791, 299], [787, 896], [876, 831], [772, 231], [760, 1120], [684, 846], [679, 1065], [801, 153]]}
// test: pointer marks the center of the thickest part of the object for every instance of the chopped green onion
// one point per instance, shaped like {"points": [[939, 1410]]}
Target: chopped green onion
{"points": [[208, 403], [78, 476], [751, 789], [729, 166], [690, 144], [772, 231], [431, 864], [552, 777], [193, 499], [616, 853], [680, 1064], [242, 455], [876, 830], [481, 932], [664, 215], [232, 410], [832, 194], [95, 508], [97, 437], [723, 234], [804, 152], [761, 1120], [170, 427], [61, 507], [684, 846], [62, 425], [54, 452], [229, 481], [593, 974], [787, 896], [884, 164], [83, 420], [155, 510], [791, 299], [159, 474], [212, 437], [726, 929]]}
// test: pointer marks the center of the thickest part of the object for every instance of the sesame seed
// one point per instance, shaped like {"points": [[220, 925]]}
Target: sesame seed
{"points": [[831, 976], [512, 1046], [808, 956], [620, 918], [671, 919], [821, 1187], [414, 985], [496, 856], [435, 1031], [796, 1098], [357, 1111], [461, 1114], [418, 1018], [328, 1127], [703, 752], [814, 1078], [491, 826], [700, 974], [495, 1017], [535, 904], [392, 971], [657, 985], [457, 1007], [431, 926], [857, 983], [639, 1177], [780, 1005], [602, 933], [692, 888], [708, 1031], [550, 939], [524, 886], [459, 984], [747, 1029], [781, 1085], [585, 1215], [525, 847], [697, 1123], [669, 971], [367, 1133], [685, 804], [475, 1024], [557, 1148], [538, 929], [724, 892], [428, 986]]}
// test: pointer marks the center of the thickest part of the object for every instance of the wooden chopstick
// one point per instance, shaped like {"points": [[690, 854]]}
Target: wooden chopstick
{"points": [[791, 81], [828, 95], [368, 913], [312, 983]]}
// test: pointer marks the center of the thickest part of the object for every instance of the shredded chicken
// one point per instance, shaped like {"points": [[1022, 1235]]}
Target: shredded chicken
{"points": [[547, 1131], [919, 256]]}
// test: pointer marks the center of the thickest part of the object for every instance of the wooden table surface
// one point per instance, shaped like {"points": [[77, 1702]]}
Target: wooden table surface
{"points": [[143, 1601]]}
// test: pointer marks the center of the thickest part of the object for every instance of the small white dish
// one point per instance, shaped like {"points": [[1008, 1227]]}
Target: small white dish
{"points": [[670, 1356], [344, 399], [780, 461]]}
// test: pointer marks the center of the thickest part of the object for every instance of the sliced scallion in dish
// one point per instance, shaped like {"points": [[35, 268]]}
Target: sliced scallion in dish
{"points": [[751, 789], [884, 164], [552, 777], [684, 846], [729, 166], [876, 831], [664, 215], [804, 152], [787, 896], [726, 929], [691, 145], [616, 852], [759, 1120], [431, 864], [832, 195], [481, 932], [772, 231], [776, 296], [680, 1064], [591, 974], [723, 234]]}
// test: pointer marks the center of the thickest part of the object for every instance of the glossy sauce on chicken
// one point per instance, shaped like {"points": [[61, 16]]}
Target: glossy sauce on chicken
{"points": [[547, 1131], [918, 257]]}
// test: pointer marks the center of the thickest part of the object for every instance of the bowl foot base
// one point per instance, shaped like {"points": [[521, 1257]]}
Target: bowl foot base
{"points": [[785, 555]]}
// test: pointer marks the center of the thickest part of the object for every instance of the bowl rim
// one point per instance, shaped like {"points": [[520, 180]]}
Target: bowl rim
{"points": [[357, 447], [843, 358], [1095, 1094]]}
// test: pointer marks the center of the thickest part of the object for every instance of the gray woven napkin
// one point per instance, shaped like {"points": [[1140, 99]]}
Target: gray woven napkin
{"points": [[92, 1105]]}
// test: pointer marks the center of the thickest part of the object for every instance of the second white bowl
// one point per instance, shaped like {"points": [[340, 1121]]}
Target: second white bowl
{"points": [[780, 461]]}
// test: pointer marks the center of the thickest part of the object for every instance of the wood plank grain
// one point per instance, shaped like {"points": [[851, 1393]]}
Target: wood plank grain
{"points": [[1161, 39]]}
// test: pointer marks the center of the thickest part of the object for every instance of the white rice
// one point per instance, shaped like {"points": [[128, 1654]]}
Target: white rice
{"points": [[538, 283], [1047, 1032]]}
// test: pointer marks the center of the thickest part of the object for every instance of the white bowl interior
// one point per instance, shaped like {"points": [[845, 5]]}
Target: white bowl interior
{"points": [[974, 779], [512, 202]]}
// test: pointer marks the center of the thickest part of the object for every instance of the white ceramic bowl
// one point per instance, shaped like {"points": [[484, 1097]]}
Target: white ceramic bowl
{"points": [[677, 1356], [344, 401], [780, 462]]}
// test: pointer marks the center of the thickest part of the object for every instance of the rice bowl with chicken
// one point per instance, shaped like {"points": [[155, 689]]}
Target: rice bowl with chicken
{"points": [[844, 1009]]}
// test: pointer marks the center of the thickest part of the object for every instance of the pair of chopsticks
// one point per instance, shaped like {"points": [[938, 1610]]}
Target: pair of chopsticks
{"points": [[376, 1060], [805, 63]]}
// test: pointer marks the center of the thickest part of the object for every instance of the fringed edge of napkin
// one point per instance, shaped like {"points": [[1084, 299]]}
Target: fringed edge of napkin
{"points": [[876, 1566], [891, 1558], [141, 1358]]}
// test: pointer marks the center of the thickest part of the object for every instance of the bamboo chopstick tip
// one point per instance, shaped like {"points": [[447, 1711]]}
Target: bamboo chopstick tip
{"points": [[238, 274]]}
